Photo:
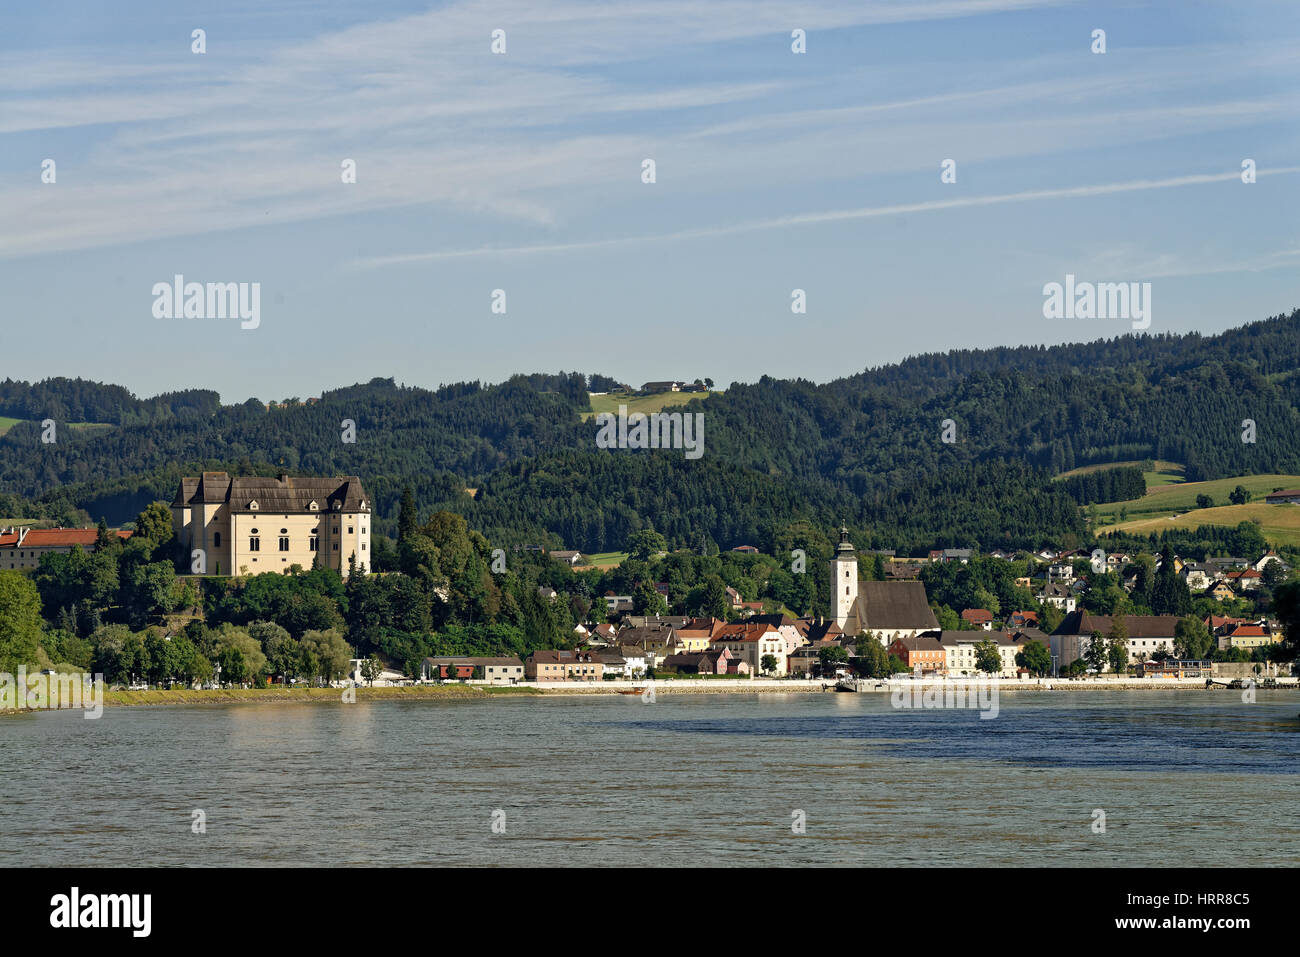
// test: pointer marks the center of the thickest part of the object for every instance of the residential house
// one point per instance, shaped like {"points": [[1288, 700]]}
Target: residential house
{"points": [[694, 635], [902, 571], [1022, 619], [618, 604], [786, 627], [1220, 625], [1060, 572], [1245, 580], [568, 557], [657, 640], [615, 665], [1247, 636], [979, 617], [920, 652], [1272, 557], [1288, 496], [1221, 591], [1198, 575], [564, 665], [1058, 596], [635, 662], [751, 642], [717, 662], [493, 670]]}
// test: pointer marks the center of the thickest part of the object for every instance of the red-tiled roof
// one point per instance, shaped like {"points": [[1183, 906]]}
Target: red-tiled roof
{"points": [[1248, 631], [743, 632], [59, 538]]}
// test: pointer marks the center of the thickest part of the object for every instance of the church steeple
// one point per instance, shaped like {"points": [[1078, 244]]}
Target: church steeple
{"points": [[844, 578], [845, 547]]}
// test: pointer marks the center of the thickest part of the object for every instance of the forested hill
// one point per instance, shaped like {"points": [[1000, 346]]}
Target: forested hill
{"points": [[867, 449]]}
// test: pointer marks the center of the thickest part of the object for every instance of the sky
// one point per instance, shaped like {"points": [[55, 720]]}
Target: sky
{"points": [[522, 171]]}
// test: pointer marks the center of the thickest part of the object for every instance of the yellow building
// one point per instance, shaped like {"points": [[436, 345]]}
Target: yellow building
{"points": [[246, 526]]}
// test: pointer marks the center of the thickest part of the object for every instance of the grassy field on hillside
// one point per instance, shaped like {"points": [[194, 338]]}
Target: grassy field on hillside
{"points": [[1165, 473], [605, 560], [641, 403], [1170, 500], [1279, 523], [7, 423]]}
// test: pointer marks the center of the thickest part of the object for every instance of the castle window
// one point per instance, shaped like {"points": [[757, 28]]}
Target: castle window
{"points": [[313, 543], [349, 529], [284, 543], [254, 544], [216, 539]]}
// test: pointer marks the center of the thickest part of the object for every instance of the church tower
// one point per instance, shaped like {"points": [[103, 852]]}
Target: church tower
{"points": [[844, 579]]}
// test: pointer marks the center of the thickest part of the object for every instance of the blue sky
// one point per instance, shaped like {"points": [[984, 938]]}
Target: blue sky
{"points": [[522, 172]]}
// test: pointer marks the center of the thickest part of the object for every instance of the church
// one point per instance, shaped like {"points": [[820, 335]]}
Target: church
{"points": [[887, 609]]}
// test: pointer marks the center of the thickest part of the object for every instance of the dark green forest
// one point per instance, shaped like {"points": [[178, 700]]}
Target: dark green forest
{"points": [[867, 450]]}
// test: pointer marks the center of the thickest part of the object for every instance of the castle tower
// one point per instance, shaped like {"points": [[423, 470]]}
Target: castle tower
{"points": [[844, 579]]}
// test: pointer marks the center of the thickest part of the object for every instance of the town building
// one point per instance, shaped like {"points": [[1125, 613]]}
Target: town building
{"points": [[564, 665], [1147, 634], [23, 547], [920, 653], [751, 643], [495, 671], [959, 648]]}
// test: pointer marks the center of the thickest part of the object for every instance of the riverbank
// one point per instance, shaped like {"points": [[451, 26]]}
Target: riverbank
{"points": [[662, 686]]}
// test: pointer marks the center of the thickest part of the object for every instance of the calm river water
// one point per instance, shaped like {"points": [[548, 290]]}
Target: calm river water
{"points": [[1184, 778]]}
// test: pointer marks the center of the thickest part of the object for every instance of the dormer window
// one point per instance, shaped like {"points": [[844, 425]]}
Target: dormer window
{"points": [[253, 506], [312, 506]]}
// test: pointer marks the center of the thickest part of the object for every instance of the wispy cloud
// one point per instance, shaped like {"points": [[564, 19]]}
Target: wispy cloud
{"points": [[539, 137], [829, 216]]}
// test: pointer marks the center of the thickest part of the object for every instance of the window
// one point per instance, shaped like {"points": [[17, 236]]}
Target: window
{"points": [[284, 543], [313, 543], [254, 544], [216, 539], [349, 529]]}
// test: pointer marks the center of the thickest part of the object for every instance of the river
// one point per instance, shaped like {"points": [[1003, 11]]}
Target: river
{"points": [[1183, 778]]}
